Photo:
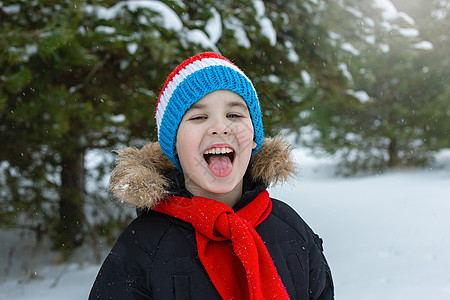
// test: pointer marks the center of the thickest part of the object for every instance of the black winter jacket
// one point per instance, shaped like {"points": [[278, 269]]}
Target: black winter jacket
{"points": [[156, 256]]}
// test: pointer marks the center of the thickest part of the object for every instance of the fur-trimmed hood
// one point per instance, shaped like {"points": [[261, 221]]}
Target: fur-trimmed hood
{"points": [[139, 180]]}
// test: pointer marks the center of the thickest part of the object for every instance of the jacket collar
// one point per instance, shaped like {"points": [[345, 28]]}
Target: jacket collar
{"points": [[143, 177]]}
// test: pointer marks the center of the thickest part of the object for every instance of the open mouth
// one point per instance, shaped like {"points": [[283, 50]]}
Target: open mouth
{"points": [[227, 152], [220, 160]]}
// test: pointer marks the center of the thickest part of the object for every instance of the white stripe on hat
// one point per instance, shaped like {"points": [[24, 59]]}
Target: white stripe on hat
{"points": [[181, 76]]}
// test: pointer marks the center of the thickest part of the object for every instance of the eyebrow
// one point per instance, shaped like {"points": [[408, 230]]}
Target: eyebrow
{"points": [[240, 104], [232, 104], [196, 105]]}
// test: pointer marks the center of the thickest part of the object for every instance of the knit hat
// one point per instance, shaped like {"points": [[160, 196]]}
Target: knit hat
{"points": [[191, 81]]}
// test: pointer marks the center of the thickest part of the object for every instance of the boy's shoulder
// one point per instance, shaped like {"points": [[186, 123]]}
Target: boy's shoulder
{"points": [[154, 225], [285, 214], [149, 231]]}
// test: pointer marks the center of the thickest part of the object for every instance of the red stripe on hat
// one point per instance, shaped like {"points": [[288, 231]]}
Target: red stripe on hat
{"points": [[184, 64]]}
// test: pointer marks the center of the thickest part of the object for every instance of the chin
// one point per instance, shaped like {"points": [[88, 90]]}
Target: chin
{"points": [[220, 187]]}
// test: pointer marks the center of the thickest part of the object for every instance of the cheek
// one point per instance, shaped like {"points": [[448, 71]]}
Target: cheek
{"points": [[181, 145], [245, 136], [187, 143]]}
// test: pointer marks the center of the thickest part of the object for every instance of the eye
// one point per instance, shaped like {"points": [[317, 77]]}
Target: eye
{"points": [[197, 118], [234, 115]]}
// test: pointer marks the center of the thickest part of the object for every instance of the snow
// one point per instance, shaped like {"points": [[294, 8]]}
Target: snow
{"points": [[370, 39], [118, 118], [362, 96], [214, 26], [168, 18], [389, 10], [354, 11], [292, 55], [424, 45], [385, 236], [72, 286], [10, 9], [369, 22], [390, 13], [213, 33], [306, 77], [344, 69], [407, 18], [385, 48], [105, 29], [350, 48], [199, 37], [409, 32], [442, 12], [132, 48], [31, 49], [266, 24], [236, 25]]}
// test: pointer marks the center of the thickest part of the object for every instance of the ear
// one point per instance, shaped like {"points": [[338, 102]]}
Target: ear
{"points": [[254, 145]]}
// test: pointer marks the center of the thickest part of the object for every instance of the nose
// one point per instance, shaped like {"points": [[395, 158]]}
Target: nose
{"points": [[223, 132], [219, 127]]}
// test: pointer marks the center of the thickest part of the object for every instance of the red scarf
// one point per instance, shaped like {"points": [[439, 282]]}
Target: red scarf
{"points": [[230, 249]]}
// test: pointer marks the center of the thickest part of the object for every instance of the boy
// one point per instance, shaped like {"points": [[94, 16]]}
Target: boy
{"points": [[209, 229]]}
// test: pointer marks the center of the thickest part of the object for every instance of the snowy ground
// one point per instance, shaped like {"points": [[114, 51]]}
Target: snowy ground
{"points": [[386, 237]]}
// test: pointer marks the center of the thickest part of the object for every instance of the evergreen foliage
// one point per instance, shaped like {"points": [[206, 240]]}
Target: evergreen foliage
{"points": [[83, 76], [396, 111]]}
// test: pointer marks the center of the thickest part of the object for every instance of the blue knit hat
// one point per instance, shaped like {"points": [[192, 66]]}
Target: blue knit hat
{"points": [[191, 81]]}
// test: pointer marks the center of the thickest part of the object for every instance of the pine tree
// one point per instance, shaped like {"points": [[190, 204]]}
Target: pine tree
{"points": [[386, 119], [78, 76], [73, 79]]}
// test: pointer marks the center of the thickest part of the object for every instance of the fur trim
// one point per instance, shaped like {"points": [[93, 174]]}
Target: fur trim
{"points": [[139, 181], [273, 162]]}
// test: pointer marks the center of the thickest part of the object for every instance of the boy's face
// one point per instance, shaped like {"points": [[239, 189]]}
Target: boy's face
{"points": [[214, 143]]}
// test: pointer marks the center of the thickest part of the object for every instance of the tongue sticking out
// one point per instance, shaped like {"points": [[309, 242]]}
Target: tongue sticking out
{"points": [[220, 165]]}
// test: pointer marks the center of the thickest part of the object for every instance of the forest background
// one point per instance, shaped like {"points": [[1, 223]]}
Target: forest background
{"points": [[364, 81]]}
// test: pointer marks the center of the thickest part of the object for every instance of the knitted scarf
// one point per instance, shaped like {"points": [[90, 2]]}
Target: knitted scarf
{"points": [[230, 249]]}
